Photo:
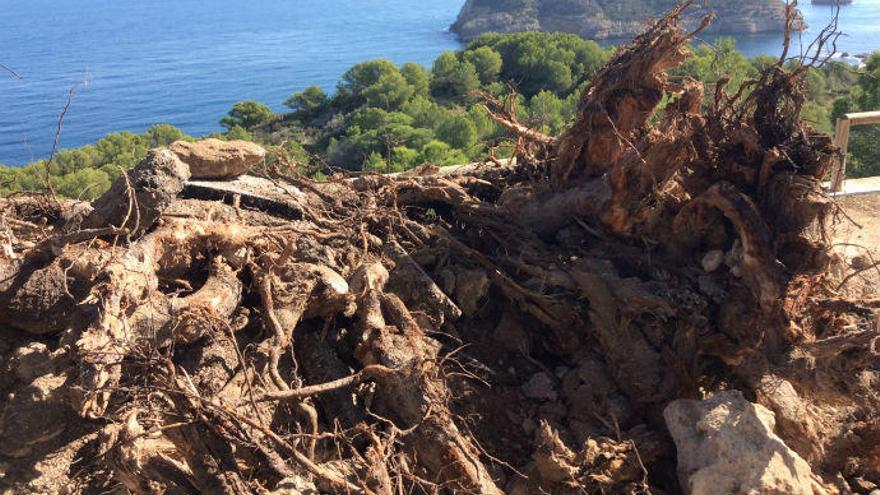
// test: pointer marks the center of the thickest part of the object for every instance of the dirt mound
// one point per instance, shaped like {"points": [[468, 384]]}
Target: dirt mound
{"points": [[503, 329]]}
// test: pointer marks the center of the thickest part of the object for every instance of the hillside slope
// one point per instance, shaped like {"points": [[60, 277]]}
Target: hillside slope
{"points": [[601, 19]]}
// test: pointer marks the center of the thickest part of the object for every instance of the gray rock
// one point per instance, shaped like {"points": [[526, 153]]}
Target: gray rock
{"points": [[216, 159], [726, 445], [600, 19], [540, 387], [712, 260], [155, 181], [471, 288]]}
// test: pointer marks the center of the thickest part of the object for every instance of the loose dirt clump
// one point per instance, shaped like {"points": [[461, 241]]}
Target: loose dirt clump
{"points": [[511, 328]]}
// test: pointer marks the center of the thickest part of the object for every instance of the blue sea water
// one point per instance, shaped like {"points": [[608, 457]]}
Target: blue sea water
{"points": [[185, 62], [859, 23]]}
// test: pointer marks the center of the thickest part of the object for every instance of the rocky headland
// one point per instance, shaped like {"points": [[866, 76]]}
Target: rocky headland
{"points": [[604, 19]]}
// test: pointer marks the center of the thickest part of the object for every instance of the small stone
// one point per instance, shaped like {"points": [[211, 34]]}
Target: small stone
{"points": [[31, 361], [216, 159], [594, 375], [540, 387], [471, 289], [713, 260]]}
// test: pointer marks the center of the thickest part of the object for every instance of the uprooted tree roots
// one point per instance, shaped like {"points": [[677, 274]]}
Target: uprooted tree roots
{"points": [[512, 329]]}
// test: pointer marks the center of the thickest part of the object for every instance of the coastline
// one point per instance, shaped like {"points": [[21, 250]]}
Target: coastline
{"points": [[191, 83]]}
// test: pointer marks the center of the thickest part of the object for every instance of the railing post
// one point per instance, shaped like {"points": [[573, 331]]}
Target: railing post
{"points": [[841, 139]]}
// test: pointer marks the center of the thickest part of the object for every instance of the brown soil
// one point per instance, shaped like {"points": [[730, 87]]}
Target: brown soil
{"points": [[857, 240]]}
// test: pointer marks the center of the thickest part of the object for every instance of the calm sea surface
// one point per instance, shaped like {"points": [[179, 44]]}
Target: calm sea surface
{"points": [[185, 62]]}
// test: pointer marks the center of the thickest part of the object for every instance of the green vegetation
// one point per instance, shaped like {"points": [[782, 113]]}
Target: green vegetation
{"points": [[864, 141], [88, 171], [387, 118], [247, 115]]}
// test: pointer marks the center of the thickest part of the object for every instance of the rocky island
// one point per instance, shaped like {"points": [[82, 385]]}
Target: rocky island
{"points": [[603, 19]]}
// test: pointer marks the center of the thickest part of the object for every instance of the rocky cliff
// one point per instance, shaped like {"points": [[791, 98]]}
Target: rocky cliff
{"points": [[601, 19]]}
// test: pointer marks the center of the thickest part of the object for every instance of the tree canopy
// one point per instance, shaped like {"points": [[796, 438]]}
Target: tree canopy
{"points": [[247, 114], [385, 117], [87, 172]]}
